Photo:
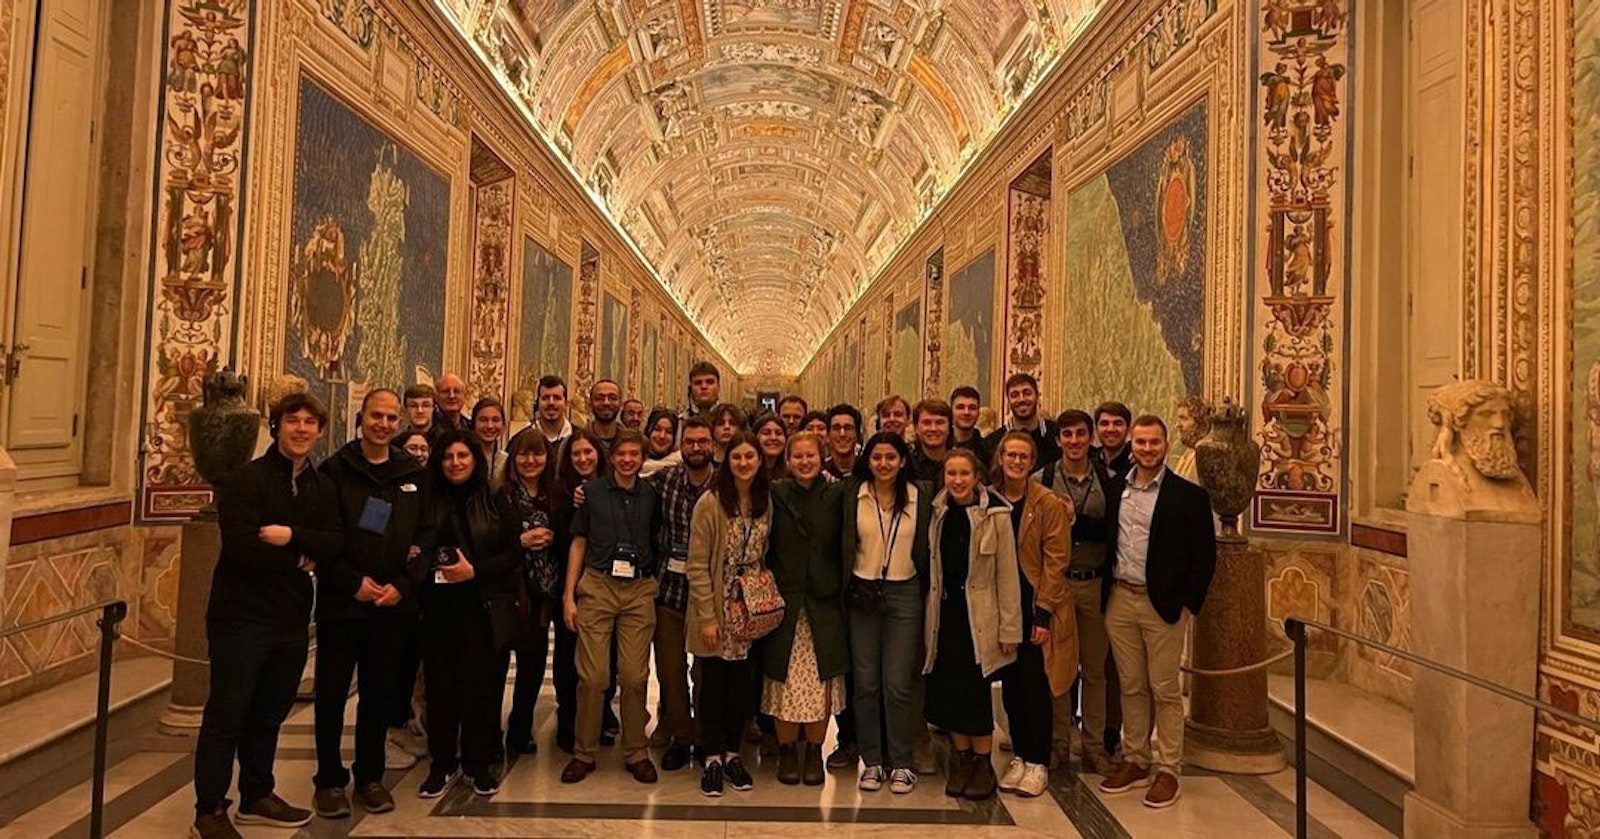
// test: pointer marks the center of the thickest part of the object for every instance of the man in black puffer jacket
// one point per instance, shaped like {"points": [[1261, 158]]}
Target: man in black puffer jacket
{"points": [[365, 600], [278, 525]]}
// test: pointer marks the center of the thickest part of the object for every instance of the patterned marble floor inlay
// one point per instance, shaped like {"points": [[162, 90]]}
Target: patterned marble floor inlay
{"points": [[150, 797]]}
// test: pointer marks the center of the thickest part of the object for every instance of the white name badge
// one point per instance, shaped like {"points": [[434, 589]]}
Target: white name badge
{"points": [[678, 566], [438, 578], [622, 568]]}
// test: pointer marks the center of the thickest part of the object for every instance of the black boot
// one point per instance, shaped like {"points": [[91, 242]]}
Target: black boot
{"points": [[981, 783], [788, 764], [812, 771], [959, 771]]}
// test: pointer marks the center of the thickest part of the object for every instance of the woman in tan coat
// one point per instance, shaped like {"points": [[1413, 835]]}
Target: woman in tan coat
{"points": [[1047, 660], [729, 531], [973, 619]]}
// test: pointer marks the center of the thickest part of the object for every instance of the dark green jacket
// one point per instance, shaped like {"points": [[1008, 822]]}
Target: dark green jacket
{"points": [[804, 555], [919, 548]]}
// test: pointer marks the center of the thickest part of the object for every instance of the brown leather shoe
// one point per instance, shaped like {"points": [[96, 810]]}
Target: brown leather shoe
{"points": [[1129, 776], [1163, 792], [643, 771], [576, 770]]}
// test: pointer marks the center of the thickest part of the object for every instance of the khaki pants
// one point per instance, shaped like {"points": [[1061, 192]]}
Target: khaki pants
{"points": [[672, 674], [625, 609], [1093, 649], [1149, 653]]}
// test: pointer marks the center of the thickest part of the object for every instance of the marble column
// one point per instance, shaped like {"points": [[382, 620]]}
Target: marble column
{"points": [[191, 683], [1227, 729]]}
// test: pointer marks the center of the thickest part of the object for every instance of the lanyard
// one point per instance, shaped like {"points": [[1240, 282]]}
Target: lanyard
{"points": [[1090, 485], [887, 534]]}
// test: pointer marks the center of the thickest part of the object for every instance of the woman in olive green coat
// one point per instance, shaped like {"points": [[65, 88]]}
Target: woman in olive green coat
{"points": [[805, 657]]}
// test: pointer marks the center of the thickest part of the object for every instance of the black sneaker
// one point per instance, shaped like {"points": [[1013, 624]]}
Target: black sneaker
{"points": [[711, 780], [845, 757], [437, 782], [374, 798], [214, 826], [331, 803], [273, 811], [675, 756], [485, 783], [738, 776]]}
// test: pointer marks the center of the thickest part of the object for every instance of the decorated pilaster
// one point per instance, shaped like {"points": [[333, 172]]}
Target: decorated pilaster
{"points": [[201, 145], [491, 287], [1303, 162]]}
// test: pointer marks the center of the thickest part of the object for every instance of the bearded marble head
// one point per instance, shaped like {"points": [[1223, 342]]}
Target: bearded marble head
{"points": [[1475, 419]]}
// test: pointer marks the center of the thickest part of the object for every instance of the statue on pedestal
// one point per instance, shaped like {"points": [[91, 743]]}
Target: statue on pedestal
{"points": [[1474, 472], [1193, 422], [222, 431]]}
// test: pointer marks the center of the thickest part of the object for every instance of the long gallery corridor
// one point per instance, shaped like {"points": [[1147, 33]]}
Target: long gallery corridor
{"points": [[568, 418]]}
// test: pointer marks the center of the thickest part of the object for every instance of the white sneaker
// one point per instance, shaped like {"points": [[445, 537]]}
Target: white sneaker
{"points": [[396, 757], [1035, 778], [414, 744], [871, 779], [902, 781], [1013, 775]]}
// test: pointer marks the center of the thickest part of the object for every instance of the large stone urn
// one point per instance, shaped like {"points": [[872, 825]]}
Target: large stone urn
{"points": [[222, 437], [1228, 729]]}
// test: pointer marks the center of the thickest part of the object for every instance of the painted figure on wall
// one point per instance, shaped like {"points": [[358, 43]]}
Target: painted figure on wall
{"points": [[371, 227], [545, 323], [1135, 270], [1582, 609], [613, 339], [969, 331]]}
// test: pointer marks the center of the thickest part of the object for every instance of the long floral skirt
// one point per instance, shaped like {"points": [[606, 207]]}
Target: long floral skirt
{"points": [[804, 697]]}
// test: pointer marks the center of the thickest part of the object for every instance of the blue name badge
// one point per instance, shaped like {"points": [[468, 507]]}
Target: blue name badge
{"points": [[375, 516]]}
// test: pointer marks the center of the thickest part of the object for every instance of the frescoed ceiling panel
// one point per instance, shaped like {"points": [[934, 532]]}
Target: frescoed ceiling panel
{"points": [[768, 156]]}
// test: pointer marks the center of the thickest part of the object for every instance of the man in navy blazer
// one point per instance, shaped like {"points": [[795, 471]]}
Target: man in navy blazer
{"points": [[1163, 554]]}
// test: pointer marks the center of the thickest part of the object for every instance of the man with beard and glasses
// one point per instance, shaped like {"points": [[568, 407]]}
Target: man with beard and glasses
{"points": [[1022, 398], [679, 487], [1474, 465], [551, 416], [605, 403]]}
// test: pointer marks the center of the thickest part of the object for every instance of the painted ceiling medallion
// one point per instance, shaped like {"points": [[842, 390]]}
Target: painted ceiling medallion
{"points": [[843, 121]]}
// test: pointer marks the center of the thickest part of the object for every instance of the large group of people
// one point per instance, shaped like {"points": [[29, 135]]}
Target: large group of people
{"points": [[792, 569]]}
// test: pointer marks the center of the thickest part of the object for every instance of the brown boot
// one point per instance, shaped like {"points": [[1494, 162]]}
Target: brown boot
{"points": [[1164, 792], [811, 769], [788, 764]]}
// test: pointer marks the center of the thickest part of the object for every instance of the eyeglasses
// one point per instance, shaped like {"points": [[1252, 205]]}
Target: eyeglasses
{"points": [[839, 427]]}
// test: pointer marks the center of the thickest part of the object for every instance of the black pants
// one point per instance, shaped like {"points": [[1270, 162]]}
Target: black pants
{"points": [[846, 719], [724, 703], [532, 651], [406, 673], [1025, 692], [255, 672], [368, 649], [463, 686]]}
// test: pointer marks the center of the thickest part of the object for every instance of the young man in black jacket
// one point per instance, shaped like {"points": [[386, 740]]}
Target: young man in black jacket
{"points": [[278, 524], [367, 599]]}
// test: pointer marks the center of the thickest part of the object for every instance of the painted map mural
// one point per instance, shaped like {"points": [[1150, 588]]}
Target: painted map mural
{"points": [[545, 326], [370, 230], [907, 357], [1135, 273], [1583, 584], [969, 334]]}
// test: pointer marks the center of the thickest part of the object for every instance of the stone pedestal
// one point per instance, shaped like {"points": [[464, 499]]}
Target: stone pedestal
{"points": [[191, 683], [1474, 606], [1227, 729]]}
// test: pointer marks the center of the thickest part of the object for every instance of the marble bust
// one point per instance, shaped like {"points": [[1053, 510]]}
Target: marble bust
{"points": [[1193, 422], [1473, 473]]}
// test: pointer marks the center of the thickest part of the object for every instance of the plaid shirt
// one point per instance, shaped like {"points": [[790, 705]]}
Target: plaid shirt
{"points": [[678, 497]]}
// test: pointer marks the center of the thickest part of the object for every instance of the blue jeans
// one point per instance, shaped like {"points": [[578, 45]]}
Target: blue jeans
{"points": [[883, 659]]}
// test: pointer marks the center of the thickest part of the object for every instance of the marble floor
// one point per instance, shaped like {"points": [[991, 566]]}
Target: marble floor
{"points": [[149, 795]]}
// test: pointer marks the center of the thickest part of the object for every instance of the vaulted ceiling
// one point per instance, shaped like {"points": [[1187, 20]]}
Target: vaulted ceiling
{"points": [[768, 156]]}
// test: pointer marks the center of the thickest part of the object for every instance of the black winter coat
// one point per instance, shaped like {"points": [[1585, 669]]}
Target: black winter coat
{"points": [[385, 557], [256, 582], [805, 552]]}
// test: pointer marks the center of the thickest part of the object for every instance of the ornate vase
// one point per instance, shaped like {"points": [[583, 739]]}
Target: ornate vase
{"points": [[222, 431], [1228, 462]]}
